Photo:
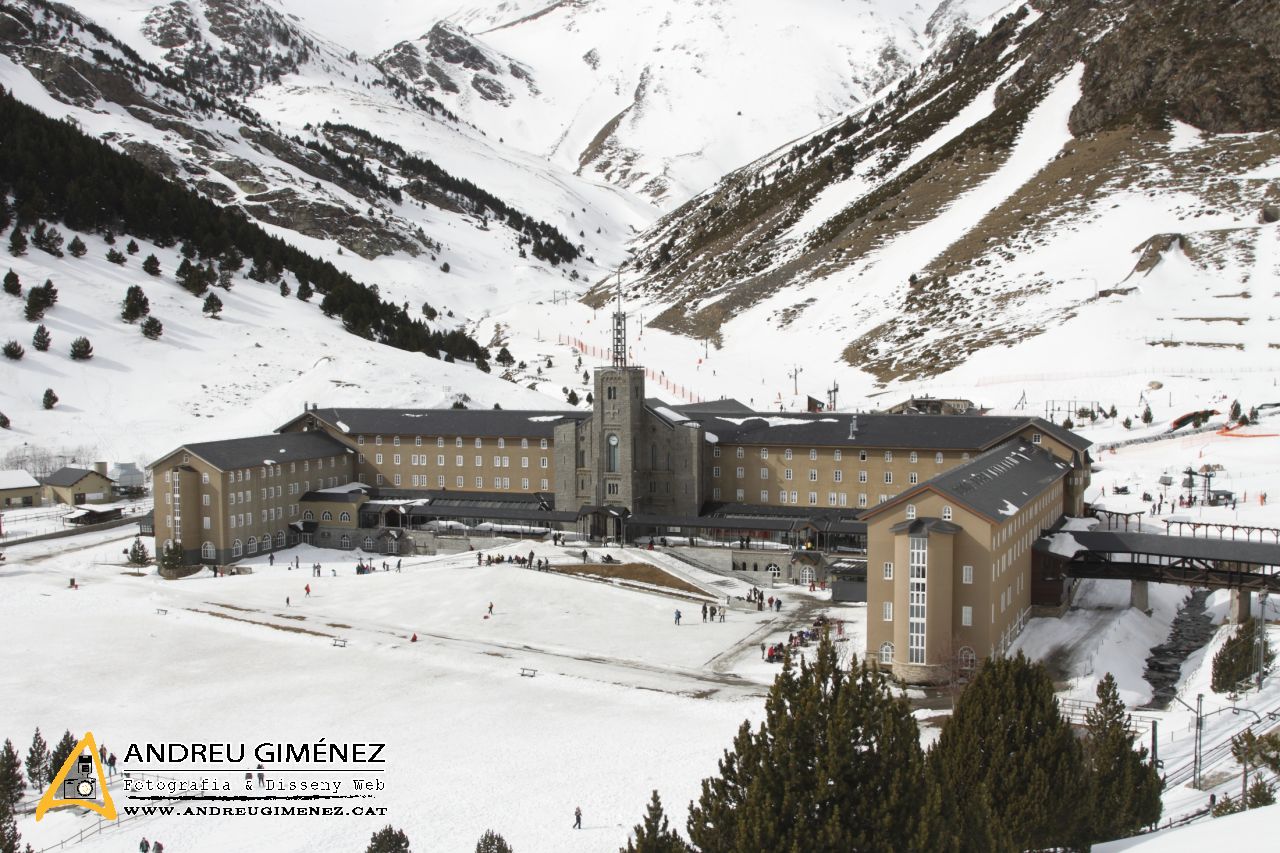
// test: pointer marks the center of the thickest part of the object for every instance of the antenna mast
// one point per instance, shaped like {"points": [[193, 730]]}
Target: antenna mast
{"points": [[619, 330]]}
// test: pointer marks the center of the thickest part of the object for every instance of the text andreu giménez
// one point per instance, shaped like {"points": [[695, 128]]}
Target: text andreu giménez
{"points": [[316, 752]]}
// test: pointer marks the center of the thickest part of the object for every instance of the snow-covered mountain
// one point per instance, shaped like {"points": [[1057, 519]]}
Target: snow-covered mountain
{"points": [[1075, 177]]}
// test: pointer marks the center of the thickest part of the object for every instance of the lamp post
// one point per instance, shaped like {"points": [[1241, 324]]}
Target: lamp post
{"points": [[795, 379], [1199, 712]]}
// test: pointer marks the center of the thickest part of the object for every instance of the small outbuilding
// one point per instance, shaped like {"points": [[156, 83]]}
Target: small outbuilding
{"points": [[18, 489], [76, 486]]}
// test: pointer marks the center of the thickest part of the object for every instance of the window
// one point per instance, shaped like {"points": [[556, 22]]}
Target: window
{"points": [[204, 478], [968, 660], [251, 547], [440, 441], [786, 475], [886, 653], [886, 611], [715, 451], [813, 454], [839, 456], [831, 498], [344, 542], [368, 543], [793, 496], [862, 456], [206, 523], [395, 459], [417, 441], [360, 440], [786, 454], [543, 445], [440, 481], [764, 473], [966, 616], [397, 479], [524, 483], [862, 499], [764, 496], [543, 462], [479, 442], [740, 472], [207, 551], [917, 553], [813, 499], [440, 460], [524, 461], [460, 482], [862, 476], [457, 460], [911, 511], [946, 513], [913, 478], [377, 458], [888, 476], [611, 488], [764, 453], [344, 516], [457, 442], [937, 458], [839, 476], [479, 461], [888, 571], [715, 471], [914, 457], [497, 462], [377, 439], [782, 496], [308, 516], [740, 453], [813, 475], [237, 548], [502, 443], [1035, 438], [542, 485], [739, 495], [204, 499], [479, 482], [396, 441]]}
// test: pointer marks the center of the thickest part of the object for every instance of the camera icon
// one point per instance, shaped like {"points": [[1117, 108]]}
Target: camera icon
{"points": [[80, 783]]}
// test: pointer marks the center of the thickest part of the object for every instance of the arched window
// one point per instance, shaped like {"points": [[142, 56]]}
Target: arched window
{"points": [[251, 547], [280, 539], [368, 543], [911, 510], [237, 548], [611, 454], [946, 513], [266, 542], [326, 516], [968, 660], [344, 542], [308, 516], [208, 552], [346, 516], [886, 653]]}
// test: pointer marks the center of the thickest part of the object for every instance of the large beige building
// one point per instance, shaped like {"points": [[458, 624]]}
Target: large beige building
{"points": [[944, 507]]}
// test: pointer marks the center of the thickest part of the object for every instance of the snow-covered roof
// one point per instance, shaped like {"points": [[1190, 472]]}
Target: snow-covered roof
{"points": [[17, 479]]}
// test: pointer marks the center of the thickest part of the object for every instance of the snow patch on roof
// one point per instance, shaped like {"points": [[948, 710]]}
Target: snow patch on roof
{"points": [[1063, 544], [543, 418], [17, 479], [712, 438], [780, 421], [670, 415], [1008, 508], [340, 425]]}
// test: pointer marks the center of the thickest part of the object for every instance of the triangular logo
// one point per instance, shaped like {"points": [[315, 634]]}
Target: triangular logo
{"points": [[80, 782]]}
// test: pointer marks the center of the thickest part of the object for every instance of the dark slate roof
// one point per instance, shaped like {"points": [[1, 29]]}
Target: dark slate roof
{"points": [[996, 484], [727, 406], [1155, 544], [840, 429], [67, 476], [917, 526], [265, 449], [333, 496], [445, 422]]}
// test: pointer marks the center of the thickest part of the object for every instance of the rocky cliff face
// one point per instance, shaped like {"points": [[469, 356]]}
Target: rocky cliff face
{"points": [[929, 225]]}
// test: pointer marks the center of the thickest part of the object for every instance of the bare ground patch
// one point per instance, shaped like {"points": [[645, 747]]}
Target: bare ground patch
{"points": [[636, 572], [291, 628]]}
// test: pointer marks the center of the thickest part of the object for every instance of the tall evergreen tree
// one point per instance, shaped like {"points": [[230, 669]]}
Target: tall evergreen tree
{"points": [[304, 290], [17, 242], [388, 840], [836, 765], [135, 304], [41, 339], [212, 305], [36, 305], [59, 754], [1238, 658], [1125, 786], [654, 835], [1007, 743], [151, 266], [38, 762], [11, 782], [1146, 415], [50, 293], [10, 838], [492, 842], [12, 284], [76, 247]]}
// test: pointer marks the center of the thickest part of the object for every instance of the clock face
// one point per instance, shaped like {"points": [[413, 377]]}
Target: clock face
{"points": [[613, 439]]}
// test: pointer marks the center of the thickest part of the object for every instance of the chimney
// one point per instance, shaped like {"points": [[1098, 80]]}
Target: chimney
{"points": [[101, 468]]}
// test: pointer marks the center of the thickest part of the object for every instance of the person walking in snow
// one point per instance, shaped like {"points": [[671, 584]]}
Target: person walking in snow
{"points": [[286, 601], [144, 846], [677, 616], [271, 559], [308, 588], [704, 612], [577, 818], [490, 608], [584, 550], [478, 559], [397, 567]]}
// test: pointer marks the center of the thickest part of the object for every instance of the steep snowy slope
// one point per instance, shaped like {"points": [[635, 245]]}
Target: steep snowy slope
{"points": [[1101, 174], [659, 97]]}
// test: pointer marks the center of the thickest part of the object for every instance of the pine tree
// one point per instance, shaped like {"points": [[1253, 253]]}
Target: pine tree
{"points": [[4, 421], [1127, 423], [1237, 659], [504, 357], [77, 247], [135, 304], [1146, 416], [171, 557], [212, 305], [116, 257], [132, 248], [1067, 423], [284, 288], [1112, 413], [1007, 743], [151, 266], [573, 398], [13, 350], [58, 756], [304, 290], [50, 399], [38, 762], [17, 242], [47, 239], [81, 349], [11, 782], [388, 840], [138, 555], [834, 766], [1125, 786], [12, 284], [9, 835], [50, 293], [36, 305], [152, 328], [41, 339], [1236, 411], [492, 842], [654, 835]]}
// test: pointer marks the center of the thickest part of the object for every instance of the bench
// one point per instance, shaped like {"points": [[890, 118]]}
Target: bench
{"points": [[340, 642], [528, 672], [160, 611]]}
